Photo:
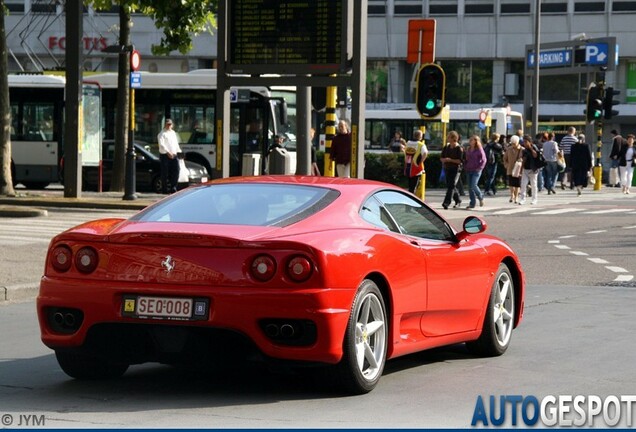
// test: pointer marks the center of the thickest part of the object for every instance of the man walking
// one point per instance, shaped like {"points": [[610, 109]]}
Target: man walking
{"points": [[168, 150], [566, 145]]}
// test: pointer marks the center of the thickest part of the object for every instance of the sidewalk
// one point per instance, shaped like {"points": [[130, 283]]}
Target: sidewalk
{"points": [[31, 203]]}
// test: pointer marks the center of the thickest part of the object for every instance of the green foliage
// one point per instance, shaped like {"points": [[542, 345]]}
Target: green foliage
{"points": [[180, 20]]}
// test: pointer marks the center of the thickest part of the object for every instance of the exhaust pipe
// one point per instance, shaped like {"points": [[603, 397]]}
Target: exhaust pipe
{"points": [[287, 330], [69, 320], [58, 317], [272, 330]]}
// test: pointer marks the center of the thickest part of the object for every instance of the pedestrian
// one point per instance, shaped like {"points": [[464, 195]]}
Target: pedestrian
{"points": [[168, 156], [566, 145], [398, 143], [581, 164], [551, 170], [530, 170], [271, 166], [617, 143], [626, 162], [341, 150], [314, 161], [475, 161], [513, 153], [415, 153], [493, 151], [452, 157]]}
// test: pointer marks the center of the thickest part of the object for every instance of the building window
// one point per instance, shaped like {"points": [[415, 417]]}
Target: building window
{"points": [[408, 10], [468, 81], [554, 8], [589, 7], [481, 8], [376, 10], [376, 7], [442, 8], [515, 8], [624, 6], [377, 81]]}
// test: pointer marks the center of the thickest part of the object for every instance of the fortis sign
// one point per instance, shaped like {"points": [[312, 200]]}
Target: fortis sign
{"points": [[95, 43]]}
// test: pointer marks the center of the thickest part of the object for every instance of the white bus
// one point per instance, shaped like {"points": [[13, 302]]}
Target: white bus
{"points": [[189, 99], [381, 125], [37, 113]]}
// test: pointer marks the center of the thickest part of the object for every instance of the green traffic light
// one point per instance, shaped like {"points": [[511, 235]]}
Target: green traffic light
{"points": [[430, 104]]}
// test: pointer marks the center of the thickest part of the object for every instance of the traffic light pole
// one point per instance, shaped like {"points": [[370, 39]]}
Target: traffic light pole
{"points": [[598, 168]]}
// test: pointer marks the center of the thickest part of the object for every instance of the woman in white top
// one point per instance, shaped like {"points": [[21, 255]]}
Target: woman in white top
{"points": [[626, 162]]}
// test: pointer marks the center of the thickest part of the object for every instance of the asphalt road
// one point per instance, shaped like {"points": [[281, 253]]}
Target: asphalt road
{"points": [[575, 340]]}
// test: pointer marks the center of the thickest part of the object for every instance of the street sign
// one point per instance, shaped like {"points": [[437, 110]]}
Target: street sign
{"points": [[421, 41], [551, 58], [233, 95], [596, 53], [135, 80]]}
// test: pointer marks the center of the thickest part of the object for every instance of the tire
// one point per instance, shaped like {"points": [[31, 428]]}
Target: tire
{"points": [[365, 342], [156, 184], [86, 367], [499, 319], [35, 185]]}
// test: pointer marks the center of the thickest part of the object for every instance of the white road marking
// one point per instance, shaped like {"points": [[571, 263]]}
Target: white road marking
{"points": [[616, 269]]}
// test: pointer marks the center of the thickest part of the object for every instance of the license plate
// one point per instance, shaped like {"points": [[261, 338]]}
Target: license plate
{"points": [[172, 308]]}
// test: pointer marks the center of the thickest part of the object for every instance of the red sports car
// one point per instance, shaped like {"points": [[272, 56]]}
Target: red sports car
{"points": [[320, 270]]}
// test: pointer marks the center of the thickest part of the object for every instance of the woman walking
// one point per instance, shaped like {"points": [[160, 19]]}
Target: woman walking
{"points": [[513, 153], [475, 163], [626, 162], [451, 157]]}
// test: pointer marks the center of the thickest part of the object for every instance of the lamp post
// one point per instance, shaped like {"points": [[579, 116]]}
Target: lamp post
{"points": [[135, 59]]}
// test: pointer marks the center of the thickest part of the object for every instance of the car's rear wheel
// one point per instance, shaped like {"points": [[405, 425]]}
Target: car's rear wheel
{"points": [[365, 341], [500, 317], [86, 367]]}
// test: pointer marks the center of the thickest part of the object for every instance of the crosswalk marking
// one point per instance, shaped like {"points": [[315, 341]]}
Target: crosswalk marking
{"points": [[607, 211], [23, 231], [558, 211]]}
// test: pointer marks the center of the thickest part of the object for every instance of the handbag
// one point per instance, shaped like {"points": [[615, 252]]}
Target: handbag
{"points": [[516, 169], [560, 162], [183, 172]]}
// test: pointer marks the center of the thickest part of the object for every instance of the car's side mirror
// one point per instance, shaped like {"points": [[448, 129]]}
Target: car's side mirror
{"points": [[472, 225]]}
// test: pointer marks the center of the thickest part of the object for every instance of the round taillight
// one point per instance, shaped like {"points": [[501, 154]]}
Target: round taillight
{"points": [[86, 260], [263, 268], [299, 268], [61, 258]]}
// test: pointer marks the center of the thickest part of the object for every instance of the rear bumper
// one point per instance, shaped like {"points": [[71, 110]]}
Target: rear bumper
{"points": [[238, 309]]}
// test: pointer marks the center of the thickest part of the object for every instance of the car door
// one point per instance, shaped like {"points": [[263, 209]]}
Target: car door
{"points": [[455, 272]]}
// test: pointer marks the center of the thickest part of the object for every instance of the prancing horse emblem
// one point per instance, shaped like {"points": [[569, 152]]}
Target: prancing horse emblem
{"points": [[168, 264]]}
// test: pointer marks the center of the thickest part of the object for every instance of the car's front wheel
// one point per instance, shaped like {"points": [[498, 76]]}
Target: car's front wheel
{"points": [[86, 367], [365, 341], [500, 317]]}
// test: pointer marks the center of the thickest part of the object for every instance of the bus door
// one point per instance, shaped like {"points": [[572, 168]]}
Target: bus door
{"points": [[34, 148], [195, 127], [250, 135]]}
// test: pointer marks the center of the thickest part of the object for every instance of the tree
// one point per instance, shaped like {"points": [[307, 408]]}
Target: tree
{"points": [[180, 21], [6, 181]]}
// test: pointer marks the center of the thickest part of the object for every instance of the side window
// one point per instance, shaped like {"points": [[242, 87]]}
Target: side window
{"points": [[413, 218], [375, 214]]}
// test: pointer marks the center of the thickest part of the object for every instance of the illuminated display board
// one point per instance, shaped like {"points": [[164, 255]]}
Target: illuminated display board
{"points": [[287, 36]]}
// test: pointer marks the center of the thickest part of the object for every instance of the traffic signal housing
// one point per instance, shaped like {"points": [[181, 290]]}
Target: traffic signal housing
{"points": [[594, 110], [430, 90], [609, 102]]}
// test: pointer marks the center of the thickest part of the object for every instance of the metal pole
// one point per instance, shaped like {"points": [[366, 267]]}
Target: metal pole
{"points": [[129, 191], [535, 81]]}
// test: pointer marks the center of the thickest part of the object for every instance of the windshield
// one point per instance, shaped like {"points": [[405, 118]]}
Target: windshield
{"points": [[241, 204]]}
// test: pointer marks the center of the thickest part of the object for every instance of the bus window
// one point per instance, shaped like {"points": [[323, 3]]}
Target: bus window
{"points": [[38, 121], [149, 120]]}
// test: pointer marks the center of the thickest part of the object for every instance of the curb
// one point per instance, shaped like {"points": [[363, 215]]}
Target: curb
{"points": [[19, 292], [20, 211]]}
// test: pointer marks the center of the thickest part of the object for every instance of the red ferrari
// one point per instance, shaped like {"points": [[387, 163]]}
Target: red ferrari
{"points": [[343, 273]]}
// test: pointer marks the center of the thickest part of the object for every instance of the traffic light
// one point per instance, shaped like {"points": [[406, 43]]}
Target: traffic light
{"points": [[609, 102], [430, 89], [594, 109]]}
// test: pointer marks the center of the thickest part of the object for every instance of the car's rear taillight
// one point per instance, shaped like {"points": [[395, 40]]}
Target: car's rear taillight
{"points": [[61, 258], [263, 268], [299, 268], [86, 260]]}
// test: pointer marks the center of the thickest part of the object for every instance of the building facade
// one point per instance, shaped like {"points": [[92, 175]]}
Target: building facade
{"points": [[481, 45]]}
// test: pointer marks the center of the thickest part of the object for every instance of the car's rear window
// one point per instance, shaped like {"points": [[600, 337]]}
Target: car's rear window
{"points": [[241, 204]]}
